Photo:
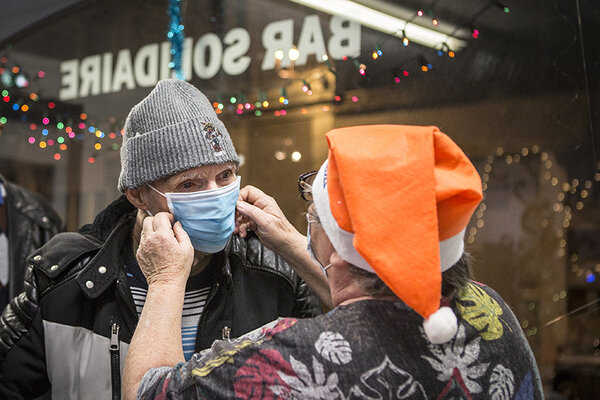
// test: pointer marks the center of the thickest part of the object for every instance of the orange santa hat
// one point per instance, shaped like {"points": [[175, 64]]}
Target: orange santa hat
{"points": [[395, 200]]}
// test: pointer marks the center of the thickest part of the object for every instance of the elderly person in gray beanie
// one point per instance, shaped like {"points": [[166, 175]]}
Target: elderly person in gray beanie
{"points": [[69, 332]]}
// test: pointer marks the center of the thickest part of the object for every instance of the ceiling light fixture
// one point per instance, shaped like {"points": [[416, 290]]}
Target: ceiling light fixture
{"points": [[384, 22]]}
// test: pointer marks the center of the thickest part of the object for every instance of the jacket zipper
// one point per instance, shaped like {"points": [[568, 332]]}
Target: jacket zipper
{"points": [[115, 362], [225, 333], [211, 296]]}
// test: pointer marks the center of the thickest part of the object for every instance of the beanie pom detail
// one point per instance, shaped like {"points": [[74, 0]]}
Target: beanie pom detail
{"points": [[441, 326]]}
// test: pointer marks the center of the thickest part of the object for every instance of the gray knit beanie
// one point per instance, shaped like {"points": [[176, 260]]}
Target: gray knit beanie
{"points": [[173, 129]]}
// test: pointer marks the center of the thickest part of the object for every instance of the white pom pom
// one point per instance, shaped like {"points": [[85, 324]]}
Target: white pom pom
{"points": [[441, 326]]}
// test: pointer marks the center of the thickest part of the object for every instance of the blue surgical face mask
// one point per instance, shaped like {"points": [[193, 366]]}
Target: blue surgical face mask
{"points": [[208, 216], [310, 249]]}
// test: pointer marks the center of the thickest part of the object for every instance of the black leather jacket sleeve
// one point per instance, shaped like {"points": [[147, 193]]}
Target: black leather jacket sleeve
{"points": [[32, 222], [22, 356], [307, 303]]}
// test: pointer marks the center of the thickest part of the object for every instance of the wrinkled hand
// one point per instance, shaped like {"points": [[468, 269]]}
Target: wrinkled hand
{"points": [[165, 253], [258, 212]]}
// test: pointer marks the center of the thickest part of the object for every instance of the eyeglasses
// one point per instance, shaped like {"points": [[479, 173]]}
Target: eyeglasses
{"points": [[305, 182]]}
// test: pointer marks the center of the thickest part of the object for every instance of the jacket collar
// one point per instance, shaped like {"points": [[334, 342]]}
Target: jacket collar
{"points": [[112, 226], [103, 269], [108, 219]]}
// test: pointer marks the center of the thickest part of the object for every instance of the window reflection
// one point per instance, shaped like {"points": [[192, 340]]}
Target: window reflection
{"points": [[515, 85]]}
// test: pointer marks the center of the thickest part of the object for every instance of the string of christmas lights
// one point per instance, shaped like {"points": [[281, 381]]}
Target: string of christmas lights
{"points": [[399, 72], [51, 125], [444, 48], [51, 128]]}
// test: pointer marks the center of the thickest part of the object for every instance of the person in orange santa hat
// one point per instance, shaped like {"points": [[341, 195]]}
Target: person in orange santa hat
{"points": [[397, 203], [387, 215]]}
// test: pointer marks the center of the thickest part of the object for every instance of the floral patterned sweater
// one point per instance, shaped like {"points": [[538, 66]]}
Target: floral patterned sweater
{"points": [[369, 349]]}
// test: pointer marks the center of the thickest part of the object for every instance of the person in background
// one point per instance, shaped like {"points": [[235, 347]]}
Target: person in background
{"points": [[26, 223], [69, 332], [387, 215]]}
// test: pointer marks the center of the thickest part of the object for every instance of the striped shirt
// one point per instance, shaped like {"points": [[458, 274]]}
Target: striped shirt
{"points": [[193, 305]]}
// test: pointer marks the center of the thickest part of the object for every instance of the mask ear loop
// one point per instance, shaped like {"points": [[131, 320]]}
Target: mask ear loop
{"points": [[325, 268], [156, 190], [163, 195]]}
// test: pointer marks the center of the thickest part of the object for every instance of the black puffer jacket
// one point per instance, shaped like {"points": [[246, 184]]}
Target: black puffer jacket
{"points": [[31, 223], [70, 330]]}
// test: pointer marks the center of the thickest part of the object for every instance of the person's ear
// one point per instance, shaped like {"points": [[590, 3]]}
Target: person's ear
{"points": [[337, 260], [137, 198]]}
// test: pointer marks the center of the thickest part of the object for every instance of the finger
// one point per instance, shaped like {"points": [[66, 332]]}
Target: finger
{"points": [[238, 221], [257, 215], [243, 230], [250, 226], [147, 226], [252, 194], [240, 218], [162, 221], [244, 192], [170, 216], [181, 235]]}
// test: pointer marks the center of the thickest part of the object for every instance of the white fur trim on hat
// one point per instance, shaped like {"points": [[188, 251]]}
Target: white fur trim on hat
{"points": [[441, 326], [451, 250], [341, 240]]}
